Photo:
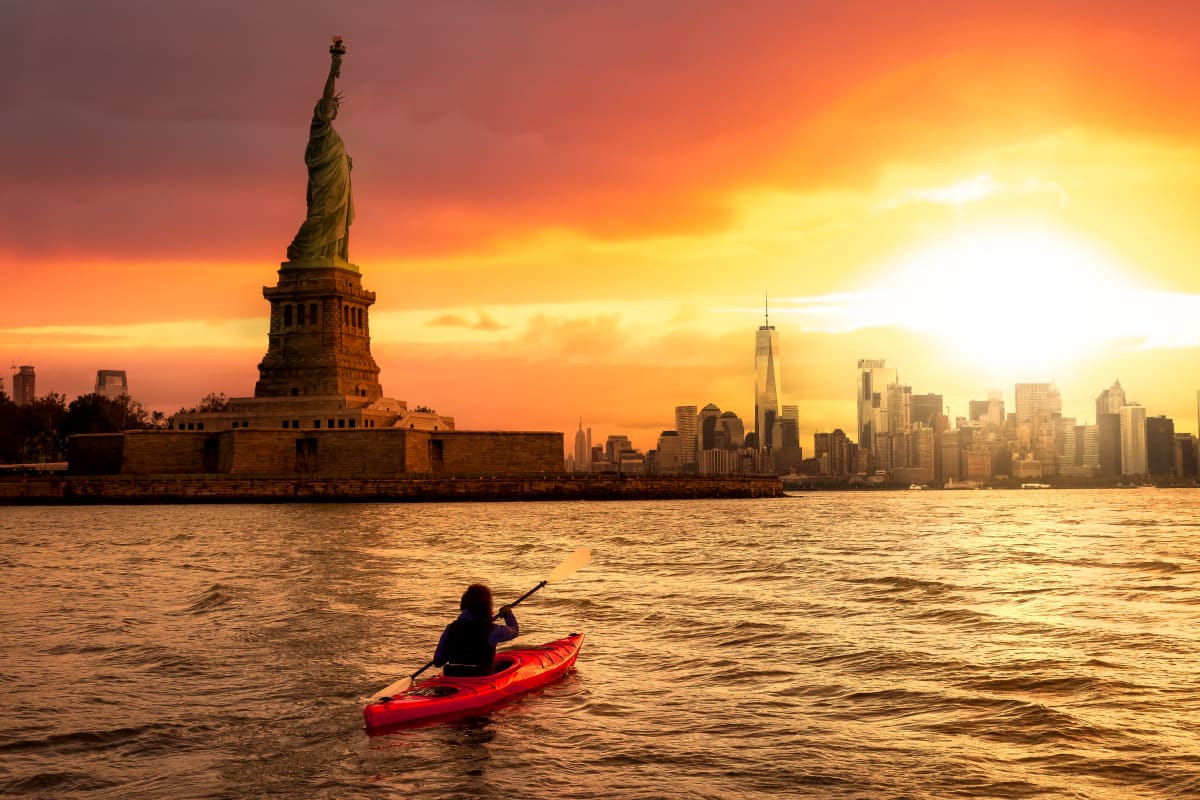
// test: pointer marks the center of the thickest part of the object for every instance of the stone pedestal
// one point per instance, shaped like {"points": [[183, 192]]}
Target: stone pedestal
{"points": [[319, 341]]}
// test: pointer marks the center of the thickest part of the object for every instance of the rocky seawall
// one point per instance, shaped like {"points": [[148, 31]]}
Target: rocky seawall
{"points": [[83, 490]]}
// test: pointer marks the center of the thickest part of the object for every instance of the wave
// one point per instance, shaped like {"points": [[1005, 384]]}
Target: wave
{"points": [[1163, 567], [211, 599], [1062, 686], [1017, 721], [60, 783], [82, 742]]}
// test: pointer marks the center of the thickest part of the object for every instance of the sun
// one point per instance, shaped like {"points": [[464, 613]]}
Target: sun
{"points": [[1017, 298]]}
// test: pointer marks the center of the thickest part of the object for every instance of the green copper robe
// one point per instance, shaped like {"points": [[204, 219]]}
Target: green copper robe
{"points": [[325, 232]]}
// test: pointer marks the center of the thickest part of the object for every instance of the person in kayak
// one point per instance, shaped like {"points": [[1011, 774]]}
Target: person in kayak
{"points": [[468, 645]]}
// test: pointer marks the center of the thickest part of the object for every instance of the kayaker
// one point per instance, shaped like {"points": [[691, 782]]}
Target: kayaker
{"points": [[468, 645]]}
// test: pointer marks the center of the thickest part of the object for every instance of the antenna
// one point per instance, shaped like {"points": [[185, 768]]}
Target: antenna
{"points": [[766, 310]]}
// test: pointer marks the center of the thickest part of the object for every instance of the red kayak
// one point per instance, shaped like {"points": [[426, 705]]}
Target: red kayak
{"points": [[517, 670]]}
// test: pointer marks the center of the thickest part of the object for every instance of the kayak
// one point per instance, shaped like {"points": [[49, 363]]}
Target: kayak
{"points": [[517, 670]]}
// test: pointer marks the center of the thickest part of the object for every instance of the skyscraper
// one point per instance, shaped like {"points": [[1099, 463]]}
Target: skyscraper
{"points": [[899, 408], [790, 432], [687, 424], [24, 385], [669, 455], [1110, 400], [1081, 453], [1160, 446], [111, 383], [873, 380], [583, 451], [1038, 416], [707, 429], [615, 445], [927, 408], [1037, 402], [995, 408], [1133, 440], [1108, 445], [766, 383], [734, 430]]}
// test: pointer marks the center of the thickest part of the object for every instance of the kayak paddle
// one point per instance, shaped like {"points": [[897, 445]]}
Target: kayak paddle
{"points": [[572, 564]]}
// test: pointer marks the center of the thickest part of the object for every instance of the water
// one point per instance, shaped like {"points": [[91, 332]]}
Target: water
{"points": [[875, 645]]}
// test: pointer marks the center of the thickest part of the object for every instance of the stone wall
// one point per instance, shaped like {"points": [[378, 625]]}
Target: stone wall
{"points": [[167, 452], [225, 489], [498, 452], [95, 453], [258, 452], [378, 452]]}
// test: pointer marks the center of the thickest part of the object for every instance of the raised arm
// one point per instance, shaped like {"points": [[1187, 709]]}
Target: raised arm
{"points": [[336, 51], [327, 105]]}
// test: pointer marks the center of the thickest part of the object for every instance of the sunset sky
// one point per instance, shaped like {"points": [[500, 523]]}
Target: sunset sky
{"points": [[574, 210]]}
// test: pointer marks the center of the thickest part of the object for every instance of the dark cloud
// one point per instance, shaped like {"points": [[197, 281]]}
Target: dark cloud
{"points": [[449, 321], [143, 128], [484, 322]]}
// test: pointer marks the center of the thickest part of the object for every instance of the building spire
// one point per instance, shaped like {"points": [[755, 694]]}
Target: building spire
{"points": [[766, 310]]}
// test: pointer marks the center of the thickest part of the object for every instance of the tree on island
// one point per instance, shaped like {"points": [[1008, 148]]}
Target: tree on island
{"points": [[211, 402], [37, 432]]}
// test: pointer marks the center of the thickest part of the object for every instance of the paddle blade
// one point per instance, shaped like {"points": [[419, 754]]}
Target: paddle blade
{"points": [[574, 562], [393, 689]]}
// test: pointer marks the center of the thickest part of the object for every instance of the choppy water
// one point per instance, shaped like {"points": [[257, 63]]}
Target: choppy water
{"points": [[883, 645]]}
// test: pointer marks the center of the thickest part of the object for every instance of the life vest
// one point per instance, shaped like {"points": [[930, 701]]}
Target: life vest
{"points": [[467, 649]]}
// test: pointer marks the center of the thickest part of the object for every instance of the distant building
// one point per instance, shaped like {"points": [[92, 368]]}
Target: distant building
{"points": [[977, 463], [927, 409], [632, 463], [1081, 451], [873, 379], [24, 385], [706, 429], [722, 462], [1160, 446], [734, 429], [668, 458], [1026, 467], [1133, 440], [766, 385], [111, 383], [1036, 402], [951, 461], [1185, 457], [614, 446], [1038, 415], [989, 412], [583, 451], [687, 424], [899, 408], [1108, 445], [1110, 400], [791, 433], [835, 452]]}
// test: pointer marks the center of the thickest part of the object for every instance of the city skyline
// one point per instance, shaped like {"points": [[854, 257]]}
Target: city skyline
{"points": [[553, 210]]}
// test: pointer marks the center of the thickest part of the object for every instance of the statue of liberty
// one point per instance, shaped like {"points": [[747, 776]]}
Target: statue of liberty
{"points": [[325, 233]]}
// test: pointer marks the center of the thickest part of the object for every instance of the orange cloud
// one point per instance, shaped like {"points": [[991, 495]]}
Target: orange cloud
{"points": [[562, 196]]}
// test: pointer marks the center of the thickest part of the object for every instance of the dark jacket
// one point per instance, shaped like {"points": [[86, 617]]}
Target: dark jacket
{"points": [[468, 645]]}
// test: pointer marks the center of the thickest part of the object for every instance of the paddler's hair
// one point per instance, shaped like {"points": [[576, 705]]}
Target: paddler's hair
{"points": [[478, 600]]}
